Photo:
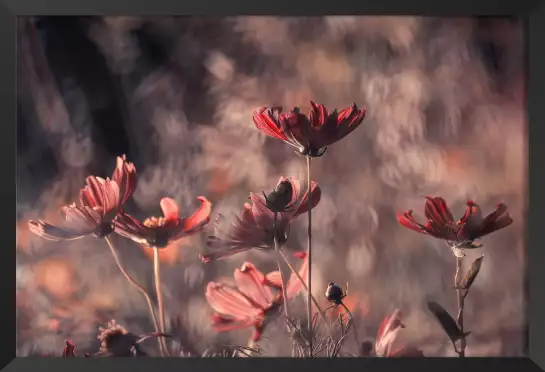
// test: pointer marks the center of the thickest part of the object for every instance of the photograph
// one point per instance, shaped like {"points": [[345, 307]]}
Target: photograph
{"points": [[271, 186]]}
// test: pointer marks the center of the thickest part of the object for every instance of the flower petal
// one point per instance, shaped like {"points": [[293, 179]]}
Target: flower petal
{"points": [[471, 222], [274, 279], [251, 282], [230, 302], [436, 209], [124, 175], [340, 125], [170, 209], [261, 214], [130, 228], [316, 196], [295, 188], [387, 333], [318, 115], [294, 285], [496, 220], [265, 119], [53, 233], [200, 218]]}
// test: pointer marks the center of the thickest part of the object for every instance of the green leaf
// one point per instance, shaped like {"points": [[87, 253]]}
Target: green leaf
{"points": [[447, 322], [471, 274]]}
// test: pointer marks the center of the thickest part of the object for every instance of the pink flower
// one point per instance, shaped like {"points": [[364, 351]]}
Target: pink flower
{"points": [[253, 299], [159, 232], [254, 227], [100, 202]]}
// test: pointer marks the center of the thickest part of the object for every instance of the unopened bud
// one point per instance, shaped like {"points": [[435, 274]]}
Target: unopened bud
{"points": [[334, 293]]}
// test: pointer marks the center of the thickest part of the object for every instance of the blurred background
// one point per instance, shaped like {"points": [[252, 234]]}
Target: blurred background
{"points": [[445, 101]]}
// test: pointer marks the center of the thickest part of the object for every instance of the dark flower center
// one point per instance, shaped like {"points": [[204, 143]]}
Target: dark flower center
{"points": [[160, 237], [159, 240], [105, 229]]}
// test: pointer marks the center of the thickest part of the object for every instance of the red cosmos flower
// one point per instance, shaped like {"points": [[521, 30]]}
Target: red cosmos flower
{"points": [[311, 135], [254, 227], [387, 334], [100, 202], [159, 232], [460, 234], [252, 301]]}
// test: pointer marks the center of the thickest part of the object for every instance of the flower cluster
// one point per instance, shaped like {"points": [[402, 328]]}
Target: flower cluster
{"points": [[100, 212], [263, 224]]}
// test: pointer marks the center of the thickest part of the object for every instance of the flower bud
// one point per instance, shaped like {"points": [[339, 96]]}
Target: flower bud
{"points": [[334, 293], [280, 199]]}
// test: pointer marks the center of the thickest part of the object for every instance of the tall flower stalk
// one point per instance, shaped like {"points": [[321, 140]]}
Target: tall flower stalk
{"points": [[308, 136], [100, 203], [309, 252], [139, 287], [278, 257], [461, 300], [159, 293], [160, 232], [459, 235]]}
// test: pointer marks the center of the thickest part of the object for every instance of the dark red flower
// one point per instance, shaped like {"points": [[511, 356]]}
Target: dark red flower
{"points": [[100, 202], [254, 227], [159, 232], [252, 301], [460, 234], [69, 350], [308, 135], [386, 336]]}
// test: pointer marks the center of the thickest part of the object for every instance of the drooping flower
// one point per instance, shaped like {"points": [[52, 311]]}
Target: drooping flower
{"points": [[308, 135], [100, 202], [254, 227], [387, 334], [159, 232], [461, 234], [255, 298]]}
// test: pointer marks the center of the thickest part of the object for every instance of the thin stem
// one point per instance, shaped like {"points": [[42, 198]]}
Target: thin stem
{"points": [[353, 324], [309, 273], [320, 311], [284, 290], [461, 302], [131, 280], [157, 274]]}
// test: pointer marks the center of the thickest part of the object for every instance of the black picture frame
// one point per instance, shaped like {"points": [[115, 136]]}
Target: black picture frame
{"points": [[532, 11]]}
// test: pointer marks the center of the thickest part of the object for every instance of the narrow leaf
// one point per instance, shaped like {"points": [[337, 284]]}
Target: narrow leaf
{"points": [[471, 274], [447, 321]]}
